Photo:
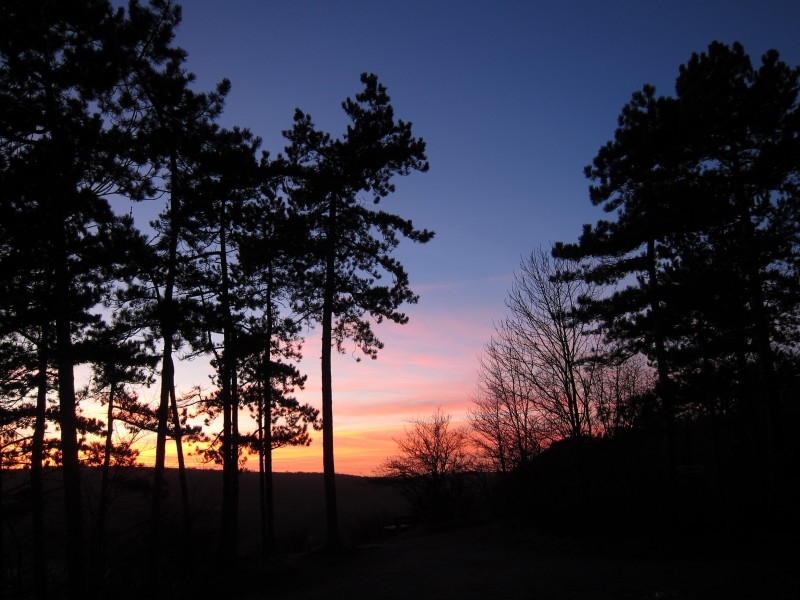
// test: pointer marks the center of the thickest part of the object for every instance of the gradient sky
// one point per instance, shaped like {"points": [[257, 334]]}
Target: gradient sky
{"points": [[513, 98]]}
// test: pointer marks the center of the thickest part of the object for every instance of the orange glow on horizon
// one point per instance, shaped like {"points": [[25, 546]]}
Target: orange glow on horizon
{"points": [[432, 361], [357, 452]]}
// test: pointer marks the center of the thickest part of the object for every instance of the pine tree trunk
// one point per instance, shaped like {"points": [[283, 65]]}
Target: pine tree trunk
{"points": [[329, 472], [176, 418], [664, 383], [162, 416], [71, 467], [269, 488], [234, 519], [262, 481], [230, 404], [265, 438], [105, 480], [167, 369], [39, 567]]}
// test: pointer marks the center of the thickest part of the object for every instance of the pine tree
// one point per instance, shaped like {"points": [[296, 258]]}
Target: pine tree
{"points": [[270, 272], [350, 243], [170, 125], [227, 175], [703, 249], [61, 69]]}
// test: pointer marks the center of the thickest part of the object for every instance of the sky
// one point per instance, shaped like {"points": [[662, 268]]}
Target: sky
{"points": [[513, 98]]}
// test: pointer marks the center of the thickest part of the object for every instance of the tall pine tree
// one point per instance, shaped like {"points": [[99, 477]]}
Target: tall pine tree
{"points": [[703, 246], [350, 242]]}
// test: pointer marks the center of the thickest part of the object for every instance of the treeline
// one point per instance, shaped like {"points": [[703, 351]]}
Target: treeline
{"points": [[647, 377], [98, 110]]}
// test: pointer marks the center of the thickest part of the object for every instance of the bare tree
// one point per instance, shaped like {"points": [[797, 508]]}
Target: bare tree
{"points": [[550, 345], [433, 456], [508, 429], [546, 374], [621, 382]]}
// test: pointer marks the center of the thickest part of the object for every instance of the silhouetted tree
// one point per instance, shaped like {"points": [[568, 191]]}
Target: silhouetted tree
{"points": [[228, 174], [703, 247], [543, 374], [61, 66], [433, 454], [349, 242], [281, 421], [623, 384], [26, 371], [271, 270], [173, 125], [551, 345], [120, 358], [507, 428]]}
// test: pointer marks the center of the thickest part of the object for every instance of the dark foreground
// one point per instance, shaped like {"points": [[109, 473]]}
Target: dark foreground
{"points": [[494, 561], [487, 557]]}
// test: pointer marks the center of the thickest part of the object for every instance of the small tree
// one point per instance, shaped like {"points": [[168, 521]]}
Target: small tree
{"points": [[433, 457]]}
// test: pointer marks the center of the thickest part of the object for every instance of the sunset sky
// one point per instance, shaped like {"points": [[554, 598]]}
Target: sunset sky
{"points": [[514, 98]]}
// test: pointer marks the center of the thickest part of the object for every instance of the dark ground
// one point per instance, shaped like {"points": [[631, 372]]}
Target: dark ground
{"points": [[484, 557], [490, 560]]}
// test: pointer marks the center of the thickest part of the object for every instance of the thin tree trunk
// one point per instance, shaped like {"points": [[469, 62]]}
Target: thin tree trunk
{"points": [[102, 509], [268, 479], [226, 534], [176, 418], [269, 487], [167, 378], [74, 543], [230, 405], [37, 484], [262, 483], [664, 385], [329, 471], [167, 370], [234, 455], [265, 434]]}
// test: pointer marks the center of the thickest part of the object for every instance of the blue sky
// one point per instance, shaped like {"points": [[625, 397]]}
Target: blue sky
{"points": [[513, 98]]}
